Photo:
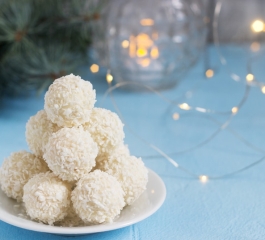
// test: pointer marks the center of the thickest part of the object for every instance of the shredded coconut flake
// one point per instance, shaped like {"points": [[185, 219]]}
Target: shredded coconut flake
{"points": [[71, 219], [74, 138], [69, 101], [120, 149], [38, 130], [17, 169], [106, 129], [129, 171], [70, 153], [98, 198], [46, 198]]}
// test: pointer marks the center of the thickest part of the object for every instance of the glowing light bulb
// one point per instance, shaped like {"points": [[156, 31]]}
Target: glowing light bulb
{"points": [[132, 48], [250, 77], [257, 26], [125, 43], [204, 178], [147, 22], [175, 116], [141, 52], [184, 106], [94, 68], [154, 53], [109, 78], [209, 73], [234, 110], [144, 62], [263, 89]]}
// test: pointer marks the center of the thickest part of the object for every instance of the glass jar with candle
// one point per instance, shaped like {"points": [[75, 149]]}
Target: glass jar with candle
{"points": [[153, 42]]}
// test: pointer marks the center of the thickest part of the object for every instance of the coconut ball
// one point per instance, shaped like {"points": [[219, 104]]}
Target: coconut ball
{"points": [[71, 219], [69, 101], [129, 171], [106, 129], [46, 198], [120, 149], [38, 130], [17, 169], [70, 153], [98, 198]]}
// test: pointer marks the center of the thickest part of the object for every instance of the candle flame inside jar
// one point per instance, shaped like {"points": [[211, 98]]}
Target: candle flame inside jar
{"points": [[142, 47]]}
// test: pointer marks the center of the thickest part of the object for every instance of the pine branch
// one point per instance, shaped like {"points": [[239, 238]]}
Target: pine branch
{"points": [[39, 67], [43, 40]]}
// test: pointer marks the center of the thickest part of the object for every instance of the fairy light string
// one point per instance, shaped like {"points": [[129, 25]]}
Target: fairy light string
{"points": [[223, 60], [257, 26], [256, 82], [221, 126], [182, 106], [249, 81]]}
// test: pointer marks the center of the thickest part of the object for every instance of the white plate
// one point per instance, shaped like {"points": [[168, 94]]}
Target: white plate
{"points": [[148, 203]]}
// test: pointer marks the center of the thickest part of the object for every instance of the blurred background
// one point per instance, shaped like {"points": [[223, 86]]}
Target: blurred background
{"points": [[137, 43]]}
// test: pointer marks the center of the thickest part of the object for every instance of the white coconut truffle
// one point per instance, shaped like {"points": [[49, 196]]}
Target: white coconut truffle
{"points": [[71, 219], [46, 198], [106, 129], [38, 130], [69, 101], [120, 149], [129, 171], [98, 198], [17, 169], [70, 153]]}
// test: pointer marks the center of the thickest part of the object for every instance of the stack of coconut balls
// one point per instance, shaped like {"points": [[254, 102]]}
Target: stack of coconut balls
{"points": [[79, 171]]}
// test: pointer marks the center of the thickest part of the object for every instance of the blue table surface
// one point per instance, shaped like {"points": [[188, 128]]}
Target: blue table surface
{"points": [[228, 208]]}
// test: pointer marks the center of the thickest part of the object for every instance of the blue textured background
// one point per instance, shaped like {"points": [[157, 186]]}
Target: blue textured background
{"points": [[228, 208]]}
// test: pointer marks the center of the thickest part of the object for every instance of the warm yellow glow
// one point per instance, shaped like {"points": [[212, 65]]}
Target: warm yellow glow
{"points": [[154, 53], [184, 106], [141, 52], [263, 89], [152, 191], [125, 44], [142, 46], [257, 26], [132, 49], [204, 178], [250, 77], [175, 116], [209, 73], [143, 41], [147, 22], [234, 110], [94, 68], [144, 62], [255, 46], [109, 78]]}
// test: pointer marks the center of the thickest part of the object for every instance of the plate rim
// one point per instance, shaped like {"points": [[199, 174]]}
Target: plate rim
{"points": [[86, 229]]}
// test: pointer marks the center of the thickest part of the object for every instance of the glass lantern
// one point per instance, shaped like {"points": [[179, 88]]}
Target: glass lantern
{"points": [[151, 42]]}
